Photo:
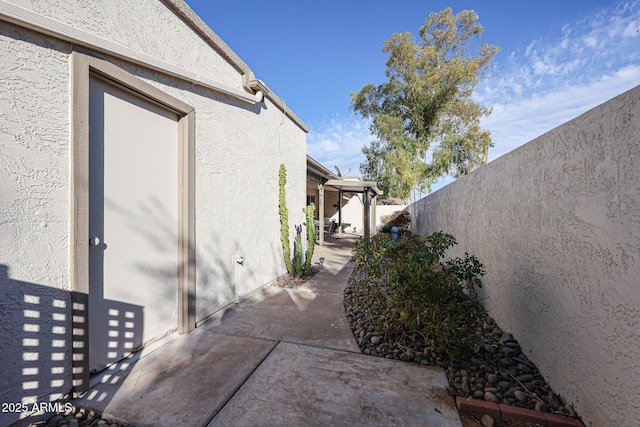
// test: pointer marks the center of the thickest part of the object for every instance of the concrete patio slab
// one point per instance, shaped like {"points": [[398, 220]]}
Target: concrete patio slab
{"points": [[312, 314], [290, 315], [281, 357], [183, 383], [300, 385]]}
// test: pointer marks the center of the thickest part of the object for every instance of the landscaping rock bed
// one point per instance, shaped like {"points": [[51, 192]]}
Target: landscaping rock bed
{"points": [[75, 417], [291, 282], [497, 372]]}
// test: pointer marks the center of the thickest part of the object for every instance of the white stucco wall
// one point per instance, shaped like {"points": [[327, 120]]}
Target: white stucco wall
{"points": [[352, 213], [239, 148], [147, 26], [34, 157], [34, 220], [384, 210], [557, 225]]}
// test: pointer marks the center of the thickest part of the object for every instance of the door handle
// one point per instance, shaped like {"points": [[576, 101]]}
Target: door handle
{"points": [[94, 241]]}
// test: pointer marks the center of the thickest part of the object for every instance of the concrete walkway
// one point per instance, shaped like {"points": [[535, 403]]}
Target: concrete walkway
{"points": [[282, 357]]}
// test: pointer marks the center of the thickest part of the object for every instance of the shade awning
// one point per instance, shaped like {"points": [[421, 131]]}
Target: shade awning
{"points": [[353, 186]]}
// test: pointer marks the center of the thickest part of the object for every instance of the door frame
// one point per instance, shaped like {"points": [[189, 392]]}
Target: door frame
{"points": [[82, 68]]}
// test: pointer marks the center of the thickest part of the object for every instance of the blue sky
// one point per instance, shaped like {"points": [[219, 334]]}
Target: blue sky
{"points": [[557, 60]]}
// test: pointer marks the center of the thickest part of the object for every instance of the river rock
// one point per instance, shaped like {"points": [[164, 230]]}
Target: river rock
{"points": [[508, 351], [465, 385], [520, 395], [503, 385], [542, 407], [506, 337], [525, 378], [490, 397], [554, 400], [487, 420], [492, 378]]}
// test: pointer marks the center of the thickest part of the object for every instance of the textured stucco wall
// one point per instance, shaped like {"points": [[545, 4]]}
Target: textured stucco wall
{"points": [[353, 213], [34, 360], [239, 147], [34, 219], [34, 153], [384, 210], [147, 26], [557, 225]]}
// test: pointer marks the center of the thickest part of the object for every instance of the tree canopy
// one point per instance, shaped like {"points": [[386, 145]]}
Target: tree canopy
{"points": [[424, 118]]}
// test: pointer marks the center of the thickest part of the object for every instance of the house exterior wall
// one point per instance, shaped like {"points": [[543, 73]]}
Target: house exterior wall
{"points": [[557, 225], [331, 199], [130, 25], [384, 210], [353, 213], [239, 148], [34, 219], [34, 157]]}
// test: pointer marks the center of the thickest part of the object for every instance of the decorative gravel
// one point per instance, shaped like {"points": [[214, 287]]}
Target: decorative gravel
{"points": [[77, 417], [290, 282], [498, 371]]}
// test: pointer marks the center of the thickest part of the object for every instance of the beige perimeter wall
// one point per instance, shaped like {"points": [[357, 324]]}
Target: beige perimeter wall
{"points": [[557, 225]]}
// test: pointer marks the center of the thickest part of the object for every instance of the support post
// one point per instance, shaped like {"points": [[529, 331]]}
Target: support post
{"points": [[321, 214], [374, 214], [367, 214], [339, 210]]}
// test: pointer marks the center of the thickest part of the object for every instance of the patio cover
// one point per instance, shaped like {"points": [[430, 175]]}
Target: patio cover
{"points": [[354, 186], [369, 189]]}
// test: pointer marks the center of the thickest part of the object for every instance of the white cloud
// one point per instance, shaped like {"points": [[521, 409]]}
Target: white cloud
{"points": [[551, 82], [339, 143], [595, 59], [519, 121], [588, 49]]}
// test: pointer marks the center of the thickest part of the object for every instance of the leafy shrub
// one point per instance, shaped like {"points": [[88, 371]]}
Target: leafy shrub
{"points": [[410, 288]]}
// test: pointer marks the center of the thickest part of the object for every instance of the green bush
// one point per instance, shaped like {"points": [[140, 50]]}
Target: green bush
{"points": [[410, 288]]}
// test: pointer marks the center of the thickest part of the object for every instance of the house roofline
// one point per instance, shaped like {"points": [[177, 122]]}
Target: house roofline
{"points": [[254, 90], [249, 81], [319, 169], [196, 23]]}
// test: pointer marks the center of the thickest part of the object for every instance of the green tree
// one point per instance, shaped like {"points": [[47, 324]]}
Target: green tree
{"points": [[424, 118]]}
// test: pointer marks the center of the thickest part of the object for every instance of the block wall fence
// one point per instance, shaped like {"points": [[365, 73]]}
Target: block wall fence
{"points": [[556, 222]]}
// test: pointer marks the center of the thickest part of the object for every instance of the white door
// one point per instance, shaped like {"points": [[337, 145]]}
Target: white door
{"points": [[133, 222]]}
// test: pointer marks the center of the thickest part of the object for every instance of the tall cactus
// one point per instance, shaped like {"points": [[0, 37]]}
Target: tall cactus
{"points": [[297, 257], [311, 236], [300, 266], [284, 219]]}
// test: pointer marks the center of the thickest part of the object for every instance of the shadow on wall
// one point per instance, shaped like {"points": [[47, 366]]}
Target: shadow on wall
{"points": [[222, 278], [150, 222], [44, 345], [35, 346]]}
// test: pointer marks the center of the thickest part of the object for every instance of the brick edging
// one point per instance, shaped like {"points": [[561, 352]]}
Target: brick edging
{"points": [[507, 413]]}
